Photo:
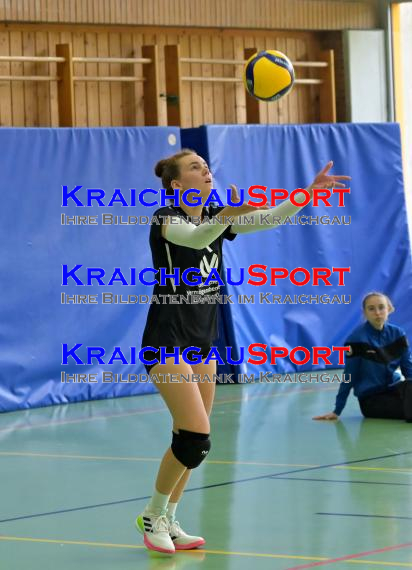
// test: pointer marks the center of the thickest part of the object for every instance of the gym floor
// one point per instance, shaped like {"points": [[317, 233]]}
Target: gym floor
{"points": [[278, 491]]}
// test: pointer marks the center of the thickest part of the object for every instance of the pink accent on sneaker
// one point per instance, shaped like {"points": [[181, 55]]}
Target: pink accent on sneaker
{"points": [[151, 546], [195, 544]]}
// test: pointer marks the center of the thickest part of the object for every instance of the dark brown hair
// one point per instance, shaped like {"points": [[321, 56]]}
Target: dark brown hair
{"points": [[168, 169]]}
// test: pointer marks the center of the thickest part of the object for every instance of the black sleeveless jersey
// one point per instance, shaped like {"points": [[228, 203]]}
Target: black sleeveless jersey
{"points": [[183, 324]]}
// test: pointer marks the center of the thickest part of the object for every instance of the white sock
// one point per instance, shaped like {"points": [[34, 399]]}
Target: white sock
{"points": [[171, 511], [158, 503]]}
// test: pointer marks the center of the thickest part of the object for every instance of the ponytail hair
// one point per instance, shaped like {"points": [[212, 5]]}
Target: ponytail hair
{"points": [[168, 169]]}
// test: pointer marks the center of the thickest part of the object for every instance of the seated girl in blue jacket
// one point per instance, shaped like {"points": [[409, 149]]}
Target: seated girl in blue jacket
{"points": [[377, 349]]}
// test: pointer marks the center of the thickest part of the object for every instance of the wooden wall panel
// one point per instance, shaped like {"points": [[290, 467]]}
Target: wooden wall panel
{"points": [[30, 88], [186, 89], [218, 88], [115, 88], [259, 14], [161, 40], [334, 41], [92, 86], [240, 94], [136, 51], [17, 87], [53, 38], [229, 88], [43, 88], [196, 88], [105, 117], [206, 71], [172, 39], [79, 70], [5, 86], [129, 102], [121, 104]]}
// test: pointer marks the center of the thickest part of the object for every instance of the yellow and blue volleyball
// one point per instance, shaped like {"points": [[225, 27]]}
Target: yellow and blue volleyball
{"points": [[268, 75]]}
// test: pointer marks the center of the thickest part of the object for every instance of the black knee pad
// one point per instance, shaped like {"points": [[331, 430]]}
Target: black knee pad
{"points": [[190, 448]]}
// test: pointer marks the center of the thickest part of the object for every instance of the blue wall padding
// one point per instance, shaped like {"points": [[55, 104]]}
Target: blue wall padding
{"points": [[34, 164], [375, 245]]}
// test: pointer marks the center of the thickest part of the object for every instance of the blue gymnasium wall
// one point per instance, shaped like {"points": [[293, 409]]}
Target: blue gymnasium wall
{"points": [[34, 163], [375, 245]]}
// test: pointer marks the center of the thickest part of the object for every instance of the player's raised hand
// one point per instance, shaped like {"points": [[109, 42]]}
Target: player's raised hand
{"points": [[325, 180], [234, 194]]}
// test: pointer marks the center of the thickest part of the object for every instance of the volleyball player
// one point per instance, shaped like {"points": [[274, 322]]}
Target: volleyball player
{"points": [[179, 241], [377, 349]]}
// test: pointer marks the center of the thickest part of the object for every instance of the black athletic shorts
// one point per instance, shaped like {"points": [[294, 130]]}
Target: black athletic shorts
{"points": [[152, 354]]}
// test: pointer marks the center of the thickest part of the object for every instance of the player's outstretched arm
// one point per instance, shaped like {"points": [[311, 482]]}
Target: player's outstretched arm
{"points": [[185, 233], [259, 219]]}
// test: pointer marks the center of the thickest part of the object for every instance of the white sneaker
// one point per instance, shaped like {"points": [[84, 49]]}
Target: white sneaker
{"points": [[181, 540], [155, 529]]}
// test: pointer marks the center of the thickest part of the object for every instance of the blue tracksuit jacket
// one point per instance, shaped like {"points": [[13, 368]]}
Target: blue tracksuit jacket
{"points": [[372, 361]]}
